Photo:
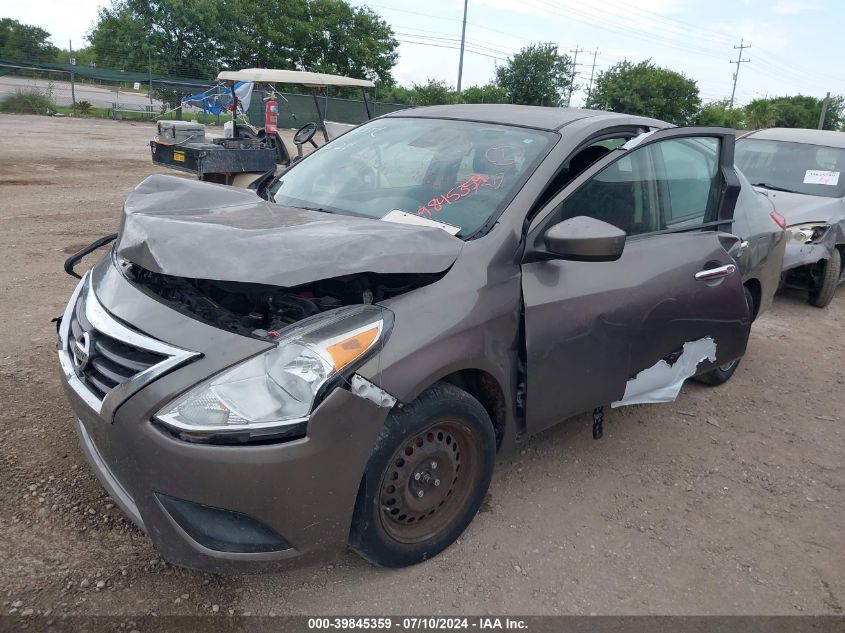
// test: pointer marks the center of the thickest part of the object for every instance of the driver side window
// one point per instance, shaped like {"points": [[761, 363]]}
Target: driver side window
{"points": [[669, 184]]}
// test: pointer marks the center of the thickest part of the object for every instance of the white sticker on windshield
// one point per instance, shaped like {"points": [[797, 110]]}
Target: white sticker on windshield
{"points": [[402, 217], [821, 177]]}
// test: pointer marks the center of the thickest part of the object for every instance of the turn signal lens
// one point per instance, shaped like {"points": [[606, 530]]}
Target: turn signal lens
{"points": [[779, 220], [347, 350]]}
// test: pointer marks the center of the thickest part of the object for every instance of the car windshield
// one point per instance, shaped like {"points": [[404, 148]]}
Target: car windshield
{"points": [[797, 167], [461, 173]]}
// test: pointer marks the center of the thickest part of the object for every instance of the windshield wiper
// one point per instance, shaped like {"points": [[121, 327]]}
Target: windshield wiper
{"points": [[320, 209], [767, 185]]}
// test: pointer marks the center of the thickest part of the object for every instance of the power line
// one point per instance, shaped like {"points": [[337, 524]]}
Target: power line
{"points": [[739, 60], [492, 46], [455, 40], [683, 32], [454, 48]]}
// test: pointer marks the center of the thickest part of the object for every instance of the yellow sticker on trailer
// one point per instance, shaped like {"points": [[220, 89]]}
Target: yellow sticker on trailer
{"points": [[178, 156]]}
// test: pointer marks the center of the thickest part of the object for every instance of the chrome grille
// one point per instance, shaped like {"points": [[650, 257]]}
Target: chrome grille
{"points": [[105, 361], [100, 361]]}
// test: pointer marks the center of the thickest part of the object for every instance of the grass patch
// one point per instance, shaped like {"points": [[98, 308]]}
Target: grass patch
{"points": [[91, 113], [30, 101], [105, 113]]}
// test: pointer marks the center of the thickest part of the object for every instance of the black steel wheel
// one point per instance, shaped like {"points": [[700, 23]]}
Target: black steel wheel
{"points": [[825, 279], [426, 478]]}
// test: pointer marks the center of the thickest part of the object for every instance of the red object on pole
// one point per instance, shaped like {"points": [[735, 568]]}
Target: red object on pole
{"points": [[271, 116]]}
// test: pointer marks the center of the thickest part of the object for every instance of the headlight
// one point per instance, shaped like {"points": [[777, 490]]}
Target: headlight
{"points": [[807, 233], [273, 393]]}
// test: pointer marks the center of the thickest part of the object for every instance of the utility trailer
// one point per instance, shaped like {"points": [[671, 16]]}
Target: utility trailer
{"points": [[224, 161]]}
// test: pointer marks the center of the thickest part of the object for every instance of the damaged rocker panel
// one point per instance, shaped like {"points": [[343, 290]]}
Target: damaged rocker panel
{"points": [[662, 382]]}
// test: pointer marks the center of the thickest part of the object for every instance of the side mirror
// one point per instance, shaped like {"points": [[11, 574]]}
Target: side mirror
{"points": [[585, 239]]}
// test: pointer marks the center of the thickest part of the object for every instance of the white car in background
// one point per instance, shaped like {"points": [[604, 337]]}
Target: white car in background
{"points": [[801, 173]]}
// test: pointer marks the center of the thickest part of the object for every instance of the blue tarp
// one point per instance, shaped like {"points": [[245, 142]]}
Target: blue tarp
{"points": [[218, 99]]}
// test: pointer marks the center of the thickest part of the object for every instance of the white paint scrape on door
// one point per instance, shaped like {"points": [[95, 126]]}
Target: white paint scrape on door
{"points": [[662, 382]]}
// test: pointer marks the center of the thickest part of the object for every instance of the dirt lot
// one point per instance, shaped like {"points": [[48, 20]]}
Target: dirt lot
{"points": [[729, 501]]}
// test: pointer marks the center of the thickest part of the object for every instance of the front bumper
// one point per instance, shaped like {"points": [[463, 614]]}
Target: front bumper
{"points": [[303, 491]]}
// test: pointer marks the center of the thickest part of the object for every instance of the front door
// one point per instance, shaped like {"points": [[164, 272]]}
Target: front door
{"points": [[673, 300]]}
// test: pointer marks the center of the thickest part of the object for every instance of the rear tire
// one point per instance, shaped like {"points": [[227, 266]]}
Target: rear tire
{"points": [[723, 373], [426, 479], [822, 294], [720, 375]]}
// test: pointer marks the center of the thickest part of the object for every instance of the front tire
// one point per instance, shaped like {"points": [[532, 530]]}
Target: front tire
{"points": [[822, 293], [426, 479]]}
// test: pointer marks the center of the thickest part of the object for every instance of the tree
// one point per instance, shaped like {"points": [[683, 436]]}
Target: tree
{"points": [[170, 37], [720, 114], [646, 90], [760, 113], [24, 42], [84, 56], [796, 111], [345, 40], [835, 117], [491, 93], [432, 92], [536, 75], [196, 38], [393, 94]]}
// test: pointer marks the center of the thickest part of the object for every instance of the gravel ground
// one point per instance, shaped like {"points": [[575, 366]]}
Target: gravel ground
{"points": [[729, 501]]}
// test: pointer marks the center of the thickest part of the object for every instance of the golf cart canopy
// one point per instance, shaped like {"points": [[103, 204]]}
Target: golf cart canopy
{"points": [[274, 75]]}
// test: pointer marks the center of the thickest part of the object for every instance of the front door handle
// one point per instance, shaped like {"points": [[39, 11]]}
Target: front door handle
{"points": [[715, 273]]}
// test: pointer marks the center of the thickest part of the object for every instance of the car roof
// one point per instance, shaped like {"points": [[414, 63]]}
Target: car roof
{"points": [[798, 135], [528, 116]]}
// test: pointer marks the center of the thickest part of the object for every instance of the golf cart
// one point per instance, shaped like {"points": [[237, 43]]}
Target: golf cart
{"points": [[245, 152]]}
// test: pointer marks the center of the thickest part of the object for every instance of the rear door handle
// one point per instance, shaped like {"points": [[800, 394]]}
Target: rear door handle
{"points": [[715, 273]]}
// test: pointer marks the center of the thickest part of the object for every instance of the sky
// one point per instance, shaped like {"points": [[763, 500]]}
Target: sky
{"points": [[797, 46]]}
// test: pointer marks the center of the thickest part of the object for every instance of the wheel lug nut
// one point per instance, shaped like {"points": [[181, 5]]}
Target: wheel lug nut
{"points": [[420, 494], [436, 482], [417, 476], [433, 465]]}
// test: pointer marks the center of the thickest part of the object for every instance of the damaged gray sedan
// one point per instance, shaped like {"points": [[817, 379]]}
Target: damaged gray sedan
{"points": [[800, 172], [260, 382]]}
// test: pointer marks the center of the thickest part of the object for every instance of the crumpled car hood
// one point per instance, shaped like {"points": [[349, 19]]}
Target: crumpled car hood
{"points": [[798, 208], [188, 228]]}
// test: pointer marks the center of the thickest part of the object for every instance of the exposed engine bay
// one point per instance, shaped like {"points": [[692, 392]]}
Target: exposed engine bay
{"points": [[262, 311]]}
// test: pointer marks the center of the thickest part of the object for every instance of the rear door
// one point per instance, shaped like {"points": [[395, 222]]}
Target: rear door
{"points": [[674, 299]]}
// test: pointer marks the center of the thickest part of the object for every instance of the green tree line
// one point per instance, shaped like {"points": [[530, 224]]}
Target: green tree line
{"points": [[197, 38]]}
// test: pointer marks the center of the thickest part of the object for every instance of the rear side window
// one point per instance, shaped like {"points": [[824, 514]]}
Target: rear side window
{"points": [[670, 184]]}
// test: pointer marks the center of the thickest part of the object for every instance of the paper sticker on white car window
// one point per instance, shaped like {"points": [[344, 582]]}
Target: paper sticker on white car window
{"points": [[821, 177]]}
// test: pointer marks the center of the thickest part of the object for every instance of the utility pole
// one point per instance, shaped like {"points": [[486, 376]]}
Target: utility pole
{"points": [[463, 41], [825, 103], [150, 71], [72, 87], [572, 75], [739, 60], [592, 73]]}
